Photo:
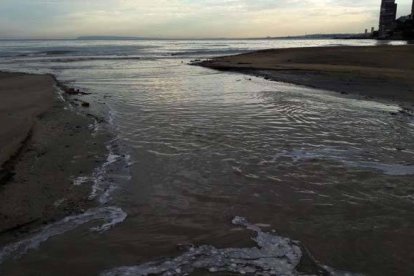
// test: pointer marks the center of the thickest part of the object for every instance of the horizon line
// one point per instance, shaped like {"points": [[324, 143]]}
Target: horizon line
{"points": [[116, 37]]}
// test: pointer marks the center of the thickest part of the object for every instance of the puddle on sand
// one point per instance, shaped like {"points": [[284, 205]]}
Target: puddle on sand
{"points": [[274, 255]]}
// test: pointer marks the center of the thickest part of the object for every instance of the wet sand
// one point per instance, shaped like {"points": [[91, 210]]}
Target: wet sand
{"points": [[44, 146], [385, 72], [24, 97]]}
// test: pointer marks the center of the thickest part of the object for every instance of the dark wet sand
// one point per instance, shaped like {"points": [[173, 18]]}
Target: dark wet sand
{"points": [[385, 72], [23, 98], [44, 146]]}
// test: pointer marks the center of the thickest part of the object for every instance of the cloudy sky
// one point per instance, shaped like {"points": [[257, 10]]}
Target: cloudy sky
{"points": [[186, 18]]}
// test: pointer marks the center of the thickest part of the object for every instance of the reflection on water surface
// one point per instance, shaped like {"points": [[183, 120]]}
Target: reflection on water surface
{"points": [[204, 147]]}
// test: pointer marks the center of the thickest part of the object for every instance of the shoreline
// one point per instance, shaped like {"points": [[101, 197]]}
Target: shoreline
{"points": [[47, 146], [191, 149], [372, 72]]}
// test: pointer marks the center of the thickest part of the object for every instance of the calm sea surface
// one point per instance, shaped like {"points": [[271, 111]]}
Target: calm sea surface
{"points": [[195, 148]]}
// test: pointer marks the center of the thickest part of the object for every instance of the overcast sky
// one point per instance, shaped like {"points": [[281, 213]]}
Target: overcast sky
{"points": [[186, 18]]}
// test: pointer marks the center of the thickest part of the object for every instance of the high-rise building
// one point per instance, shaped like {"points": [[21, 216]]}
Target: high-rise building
{"points": [[412, 11], [387, 17]]}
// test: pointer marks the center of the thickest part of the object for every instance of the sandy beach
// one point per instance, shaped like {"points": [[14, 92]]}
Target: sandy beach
{"points": [[385, 72], [44, 146]]}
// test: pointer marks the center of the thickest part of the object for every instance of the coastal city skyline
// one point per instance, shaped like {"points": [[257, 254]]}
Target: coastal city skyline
{"points": [[187, 19], [391, 26]]}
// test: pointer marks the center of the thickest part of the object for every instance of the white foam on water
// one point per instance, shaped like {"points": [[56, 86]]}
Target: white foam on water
{"points": [[59, 93], [274, 255], [111, 117], [334, 272], [59, 202], [94, 127], [128, 160], [102, 187], [387, 169], [110, 215], [81, 180]]}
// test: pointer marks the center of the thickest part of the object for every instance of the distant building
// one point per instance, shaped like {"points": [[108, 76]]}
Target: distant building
{"points": [[412, 11], [387, 18], [392, 28]]}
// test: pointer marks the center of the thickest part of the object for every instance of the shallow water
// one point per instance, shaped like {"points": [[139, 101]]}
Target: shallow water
{"points": [[195, 148]]}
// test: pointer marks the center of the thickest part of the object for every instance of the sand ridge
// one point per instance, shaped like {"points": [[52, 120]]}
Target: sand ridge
{"points": [[373, 71]]}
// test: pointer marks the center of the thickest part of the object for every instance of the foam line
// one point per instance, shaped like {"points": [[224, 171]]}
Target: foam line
{"points": [[110, 215], [274, 255]]}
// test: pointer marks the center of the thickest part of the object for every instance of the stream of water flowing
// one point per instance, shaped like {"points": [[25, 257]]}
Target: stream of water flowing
{"points": [[195, 148]]}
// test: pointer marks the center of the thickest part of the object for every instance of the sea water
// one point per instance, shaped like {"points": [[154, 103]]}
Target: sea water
{"points": [[193, 148]]}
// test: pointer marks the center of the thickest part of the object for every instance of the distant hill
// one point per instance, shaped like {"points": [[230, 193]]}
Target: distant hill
{"points": [[311, 36], [109, 38], [322, 36]]}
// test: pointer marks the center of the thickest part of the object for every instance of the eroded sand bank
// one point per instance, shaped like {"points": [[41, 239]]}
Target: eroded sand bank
{"points": [[44, 146], [375, 71]]}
